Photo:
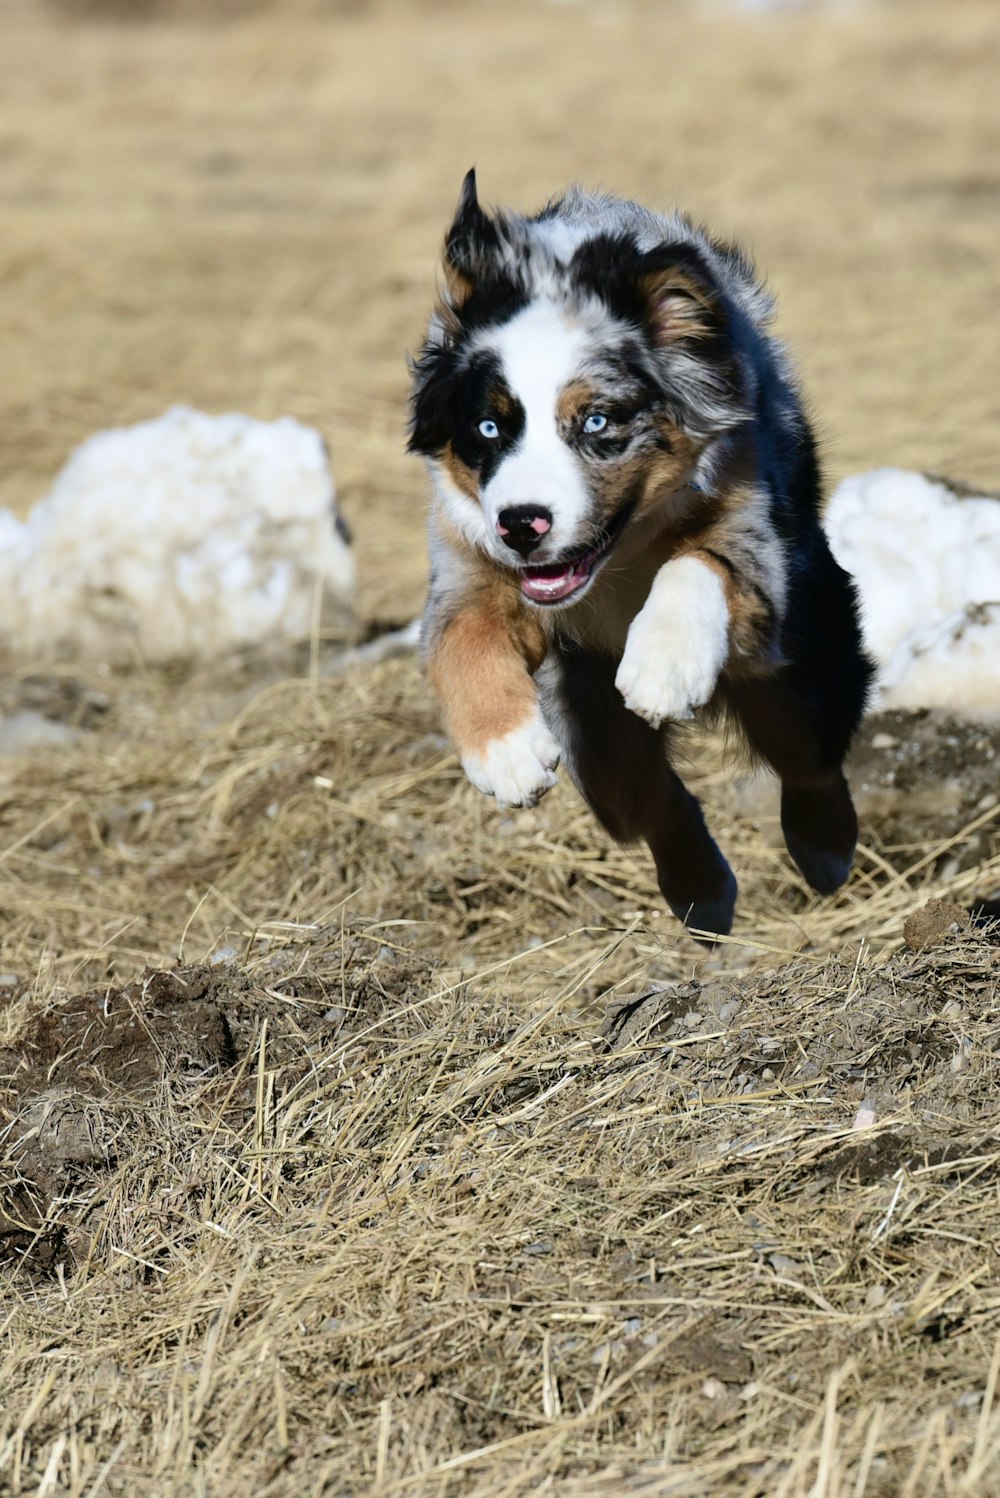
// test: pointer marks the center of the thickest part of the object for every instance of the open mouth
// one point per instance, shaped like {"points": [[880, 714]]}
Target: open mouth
{"points": [[554, 582]]}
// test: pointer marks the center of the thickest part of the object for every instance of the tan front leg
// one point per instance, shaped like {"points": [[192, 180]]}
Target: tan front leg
{"points": [[481, 668]]}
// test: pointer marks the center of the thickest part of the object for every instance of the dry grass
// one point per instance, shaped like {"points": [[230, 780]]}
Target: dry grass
{"points": [[425, 1239], [366, 1204], [358, 1198]]}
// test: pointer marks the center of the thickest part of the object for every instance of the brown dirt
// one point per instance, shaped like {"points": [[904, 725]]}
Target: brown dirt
{"points": [[933, 924], [930, 769]]}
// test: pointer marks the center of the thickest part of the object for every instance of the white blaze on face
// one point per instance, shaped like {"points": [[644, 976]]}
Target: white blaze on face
{"points": [[540, 351]]}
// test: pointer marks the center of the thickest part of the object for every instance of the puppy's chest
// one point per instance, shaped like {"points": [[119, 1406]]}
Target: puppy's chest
{"points": [[601, 620]]}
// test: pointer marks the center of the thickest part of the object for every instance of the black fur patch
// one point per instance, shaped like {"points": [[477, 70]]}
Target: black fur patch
{"points": [[491, 303], [482, 394], [452, 396]]}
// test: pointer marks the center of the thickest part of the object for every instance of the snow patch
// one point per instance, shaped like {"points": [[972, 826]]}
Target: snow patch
{"points": [[187, 536], [926, 558]]}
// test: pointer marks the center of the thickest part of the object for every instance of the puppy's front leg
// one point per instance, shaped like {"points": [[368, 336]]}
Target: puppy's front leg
{"points": [[677, 644], [481, 666]]}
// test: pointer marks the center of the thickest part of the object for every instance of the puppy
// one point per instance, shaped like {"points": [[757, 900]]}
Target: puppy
{"points": [[625, 528]]}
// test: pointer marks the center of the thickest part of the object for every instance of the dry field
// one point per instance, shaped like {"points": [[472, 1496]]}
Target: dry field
{"points": [[359, 1139]]}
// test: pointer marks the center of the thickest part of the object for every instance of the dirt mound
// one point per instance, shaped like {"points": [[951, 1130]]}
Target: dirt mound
{"points": [[750, 1196], [94, 1066]]}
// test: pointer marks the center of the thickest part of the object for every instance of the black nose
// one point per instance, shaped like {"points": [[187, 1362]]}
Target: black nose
{"points": [[523, 527]]}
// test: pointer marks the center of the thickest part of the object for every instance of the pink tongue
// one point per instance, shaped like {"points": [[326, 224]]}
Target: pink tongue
{"points": [[547, 584]]}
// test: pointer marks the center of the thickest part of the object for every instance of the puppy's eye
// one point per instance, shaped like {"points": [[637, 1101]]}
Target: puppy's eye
{"points": [[595, 422], [489, 430]]}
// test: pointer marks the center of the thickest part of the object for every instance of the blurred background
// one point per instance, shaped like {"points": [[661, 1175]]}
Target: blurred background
{"points": [[239, 206]]}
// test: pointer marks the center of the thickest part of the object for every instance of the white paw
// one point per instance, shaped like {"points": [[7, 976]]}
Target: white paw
{"points": [[517, 769], [677, 644]]}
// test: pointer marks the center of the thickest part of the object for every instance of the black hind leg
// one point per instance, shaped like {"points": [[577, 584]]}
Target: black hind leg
{"points": [[801, 720], [818, 819], [620, 765], [694, 877], [820, 827]]}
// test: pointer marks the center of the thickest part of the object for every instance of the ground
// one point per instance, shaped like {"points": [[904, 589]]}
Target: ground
{"points": [[361, 1138]]}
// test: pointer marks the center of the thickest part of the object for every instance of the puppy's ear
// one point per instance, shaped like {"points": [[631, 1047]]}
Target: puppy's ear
{"points": [[470, 244], [432, 401], [681, 299], [681, 306]]}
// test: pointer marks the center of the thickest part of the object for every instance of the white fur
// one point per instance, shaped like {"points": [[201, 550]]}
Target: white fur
{"points": [[540, 350], [677, 643], [465, 514], [561, 239], [191, 535], [517, 769]]}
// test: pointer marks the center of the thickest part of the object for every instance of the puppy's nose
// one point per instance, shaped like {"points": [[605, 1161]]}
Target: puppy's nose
{"points": [[522, 527]]}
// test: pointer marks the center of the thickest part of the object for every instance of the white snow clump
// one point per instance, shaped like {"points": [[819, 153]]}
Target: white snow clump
{"points": [[187, 536], [926, 558]]}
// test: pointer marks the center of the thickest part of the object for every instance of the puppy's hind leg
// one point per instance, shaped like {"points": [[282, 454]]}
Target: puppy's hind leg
{"points": [[620, 765], [801, 720]]}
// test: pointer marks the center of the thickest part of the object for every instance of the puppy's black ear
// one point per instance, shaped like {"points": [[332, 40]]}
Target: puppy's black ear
{"points": [[470, 244], [432, 402]]}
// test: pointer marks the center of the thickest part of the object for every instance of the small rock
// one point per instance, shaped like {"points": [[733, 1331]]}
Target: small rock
{"points": [[23, 732], [786, 1267]]}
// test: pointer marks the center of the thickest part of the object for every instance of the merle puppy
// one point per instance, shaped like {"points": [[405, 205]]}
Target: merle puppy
{"points": [[626, 528]]}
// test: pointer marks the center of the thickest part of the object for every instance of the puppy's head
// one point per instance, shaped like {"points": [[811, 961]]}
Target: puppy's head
{"points": [[570, 382]]}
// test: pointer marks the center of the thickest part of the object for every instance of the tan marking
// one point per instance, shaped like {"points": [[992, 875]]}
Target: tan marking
{"points": [[481, 668], [681, 307], [574, 401], [654, 475], [750, 622], [755, 590], [502, 403], [666, 472], [458, 286], [461, 475]]}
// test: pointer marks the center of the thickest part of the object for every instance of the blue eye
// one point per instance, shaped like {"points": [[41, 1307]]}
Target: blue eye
{"points": [[595, 422], [489, 430]]}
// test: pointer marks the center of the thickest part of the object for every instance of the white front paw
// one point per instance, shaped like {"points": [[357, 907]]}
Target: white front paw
{"points": [[677, 644], [518, 768]]}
